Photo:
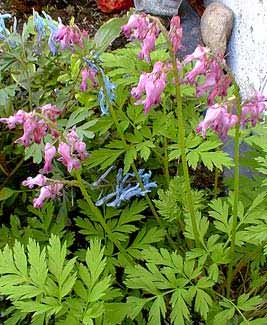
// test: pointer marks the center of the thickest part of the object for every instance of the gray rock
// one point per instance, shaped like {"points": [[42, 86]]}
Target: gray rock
{"points": [[216, 26], [158, 7]]}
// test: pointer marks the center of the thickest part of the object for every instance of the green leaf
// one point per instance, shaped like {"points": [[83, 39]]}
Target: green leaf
{"points": [[157, 311], [144, 239], [6, 193], [180, 311], [210, 158], [135, 306], [104, 158], [247, 304], [34, 151], [38, 265], [108, 32], [20, 259], [78, 116], [203, 303], [224, 316], [115, 313], [95, 261], [129, 158]]}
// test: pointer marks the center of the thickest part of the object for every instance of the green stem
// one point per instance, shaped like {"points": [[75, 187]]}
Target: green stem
{"points": [[236, 187], [235, 306], [216, 178], [181, 132], [166, 158], [28, 74], [97, 213], [166, 161], [181, 141]]}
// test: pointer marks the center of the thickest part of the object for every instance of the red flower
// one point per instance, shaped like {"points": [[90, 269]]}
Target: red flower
{"points": [[114, 5]]}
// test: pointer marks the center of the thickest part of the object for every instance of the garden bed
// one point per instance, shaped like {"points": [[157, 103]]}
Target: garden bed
{"points": [[113, 208]]}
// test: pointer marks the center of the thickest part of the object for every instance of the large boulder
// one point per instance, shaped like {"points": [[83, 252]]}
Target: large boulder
{"points": [[216, 26]]}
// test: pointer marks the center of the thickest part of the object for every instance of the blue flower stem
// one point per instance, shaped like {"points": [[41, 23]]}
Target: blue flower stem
{"points": [[97, 213], [236, 185]]}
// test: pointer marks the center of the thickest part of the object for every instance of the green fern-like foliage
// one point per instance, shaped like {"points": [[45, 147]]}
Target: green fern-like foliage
{"points": [[170, 283], [42, 282], [172, 202]]}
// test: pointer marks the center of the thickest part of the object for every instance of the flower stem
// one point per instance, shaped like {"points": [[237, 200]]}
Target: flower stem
{"points": [[181, 141], [166, 158], [181, 133], [216, 179], [236, 186], [166, 161]]}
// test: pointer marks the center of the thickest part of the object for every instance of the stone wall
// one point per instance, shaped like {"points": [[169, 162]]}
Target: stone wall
{"points": [[248, 45]]}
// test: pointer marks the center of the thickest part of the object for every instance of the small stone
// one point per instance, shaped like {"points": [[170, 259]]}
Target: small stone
{"points": [[216, 26], [158, 7]]}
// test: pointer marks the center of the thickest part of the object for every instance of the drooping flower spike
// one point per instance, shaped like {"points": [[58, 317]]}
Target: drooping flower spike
{"points": [[253, 109], [35, 128], [47, 192], [69, 36], [139, 27], [152, 85], [217, 119], [216, 82]]}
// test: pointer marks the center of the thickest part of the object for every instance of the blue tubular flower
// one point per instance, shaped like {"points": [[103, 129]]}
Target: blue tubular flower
{"points": [[90, 64], [39, 25], [110, 92], [4, 32], [109, 86], [107, 90], [127, 189], [53, 26], [102, 102]]}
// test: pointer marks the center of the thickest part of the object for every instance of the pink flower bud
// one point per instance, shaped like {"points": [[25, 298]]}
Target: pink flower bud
{"points": [[50, 111], [90, 74], [39, 180], [47, 192], [176, 33], [219, 120], [68, 36], [66, 158], [50, 152], [152, 84], [13, 120]]}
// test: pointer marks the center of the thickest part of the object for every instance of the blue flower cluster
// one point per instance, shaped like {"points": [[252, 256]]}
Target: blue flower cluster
{"points": [[5, 34], [40, 25], [109, 88], [127, 188]]}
